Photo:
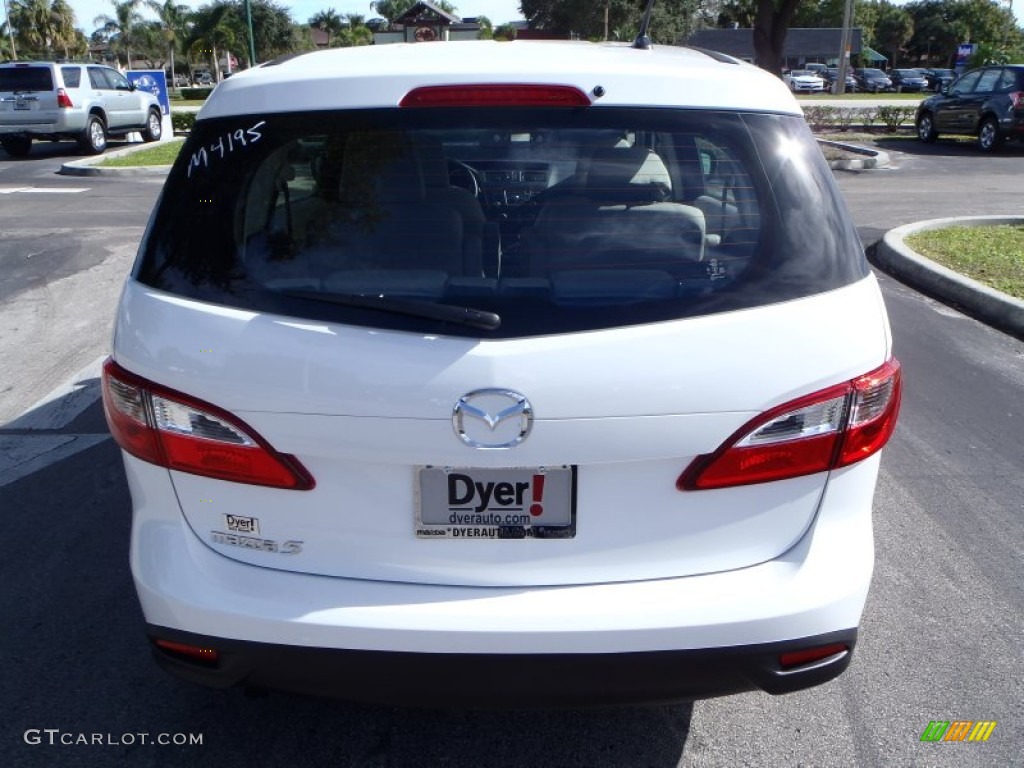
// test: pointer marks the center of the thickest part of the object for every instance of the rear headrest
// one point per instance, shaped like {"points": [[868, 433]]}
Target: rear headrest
{"points": [[433, 164], [627, 174], [382, 168]]}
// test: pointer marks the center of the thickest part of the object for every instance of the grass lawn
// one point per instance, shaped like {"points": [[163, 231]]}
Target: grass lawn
{"points": [[991, 255], [163, 153]]}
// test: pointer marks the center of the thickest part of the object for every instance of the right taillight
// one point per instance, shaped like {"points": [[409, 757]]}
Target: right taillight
{"points": [[831, 428], [172, 429], [63, 100]]}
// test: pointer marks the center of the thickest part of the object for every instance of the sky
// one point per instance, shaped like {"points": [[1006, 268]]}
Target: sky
{"points": [[498, 11]]}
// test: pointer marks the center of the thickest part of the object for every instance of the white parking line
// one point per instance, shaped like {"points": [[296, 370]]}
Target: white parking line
{"points": [[63, 405], [44, 190], [22, 455]]}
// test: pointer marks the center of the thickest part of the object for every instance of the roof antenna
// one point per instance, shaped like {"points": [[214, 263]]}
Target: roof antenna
{"points": [[643, 42]]}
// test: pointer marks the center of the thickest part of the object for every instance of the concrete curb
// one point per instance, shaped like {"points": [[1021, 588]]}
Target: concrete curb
{"points": [[873, 158], [987, 304], [87, 166]]}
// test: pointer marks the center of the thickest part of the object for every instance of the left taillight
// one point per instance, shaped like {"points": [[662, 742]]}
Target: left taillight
{"points": [[63, 100], [173, 430], [828, 429]]}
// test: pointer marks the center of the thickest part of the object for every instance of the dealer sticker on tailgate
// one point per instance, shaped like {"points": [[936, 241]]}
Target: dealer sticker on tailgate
{"points": [[508, 503]]}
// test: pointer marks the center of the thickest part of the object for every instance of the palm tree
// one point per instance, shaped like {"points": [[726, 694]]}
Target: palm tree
{"points": [[212, 30], [328, 21], [173, 19], [120, 26], [41, 26], [391, 9], [62, 18]]}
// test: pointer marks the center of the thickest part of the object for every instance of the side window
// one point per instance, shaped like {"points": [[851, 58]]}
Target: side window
{"points": [[965, 84], [117, 81], [987, 83], [72, 76], [1008, 81], [98, 79]]}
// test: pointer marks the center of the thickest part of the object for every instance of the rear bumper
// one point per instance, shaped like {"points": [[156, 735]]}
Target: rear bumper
{"points": [[655, 640], [505, 680], [66, 124]]}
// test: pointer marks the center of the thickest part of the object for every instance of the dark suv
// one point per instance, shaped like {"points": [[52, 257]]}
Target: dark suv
{"points": [[83, 102], [987, 103]]}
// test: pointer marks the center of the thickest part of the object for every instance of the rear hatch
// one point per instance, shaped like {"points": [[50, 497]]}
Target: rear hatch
{"points": [[500, 395], [28, 95]]}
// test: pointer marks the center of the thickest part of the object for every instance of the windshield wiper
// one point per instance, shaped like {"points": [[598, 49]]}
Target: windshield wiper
{"points": [[447, 313]]}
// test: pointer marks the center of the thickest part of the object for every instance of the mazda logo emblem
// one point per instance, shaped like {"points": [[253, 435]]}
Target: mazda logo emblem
{"points": [[492, 418]]}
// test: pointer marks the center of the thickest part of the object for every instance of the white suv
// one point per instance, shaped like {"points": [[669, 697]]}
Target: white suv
{"points": [[83, 102], [505, 373]]}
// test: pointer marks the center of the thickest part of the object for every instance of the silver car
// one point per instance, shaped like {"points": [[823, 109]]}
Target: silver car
{"points": [[84, 102]]}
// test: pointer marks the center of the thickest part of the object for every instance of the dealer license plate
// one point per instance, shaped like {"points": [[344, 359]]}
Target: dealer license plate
{"points": [[508, 503], [21, 104]]}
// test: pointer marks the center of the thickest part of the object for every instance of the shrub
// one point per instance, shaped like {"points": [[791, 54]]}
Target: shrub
{"points": [[196, 93], [893, 117], [183, 121]]}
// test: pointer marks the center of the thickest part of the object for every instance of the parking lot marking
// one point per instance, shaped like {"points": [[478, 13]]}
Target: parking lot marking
{"points": [[63, 404], [54, 190], [24, 455]]}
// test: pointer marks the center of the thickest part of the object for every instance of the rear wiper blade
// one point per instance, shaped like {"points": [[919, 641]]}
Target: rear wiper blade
{"points": [[447, 313]]}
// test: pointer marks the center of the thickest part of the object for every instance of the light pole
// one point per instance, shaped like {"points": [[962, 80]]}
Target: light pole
{"points": [[10, 30], [252, 43], [844, 53]]}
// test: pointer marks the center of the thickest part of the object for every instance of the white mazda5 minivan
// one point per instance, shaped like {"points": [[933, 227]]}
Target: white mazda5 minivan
{"points": [[502, 374]]}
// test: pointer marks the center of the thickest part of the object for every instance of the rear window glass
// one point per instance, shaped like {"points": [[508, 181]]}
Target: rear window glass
{"points": [[72, 76], [501, 222], [26, 79]]}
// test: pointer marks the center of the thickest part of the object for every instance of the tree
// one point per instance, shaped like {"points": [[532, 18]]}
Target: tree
{"points": [[172, 21], [486, 28], [893, 30], [940, 25], [355, 32], [671, 20], [121, 25], [328, 21], [505, 31], [771, 23], [40, 27], [62, 21], [391, 9], [212, 31]]}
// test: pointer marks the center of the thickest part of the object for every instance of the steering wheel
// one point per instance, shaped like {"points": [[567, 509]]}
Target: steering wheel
{"points": [[462, 175]]}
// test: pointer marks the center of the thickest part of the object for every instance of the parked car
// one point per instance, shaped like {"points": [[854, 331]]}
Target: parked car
{"points": [[182, 81], [87, 103], [803, 81], [872, 80], [938, 79], [987, 103], [203, 79], [562, 386], [832, 74], [908, 80]]}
